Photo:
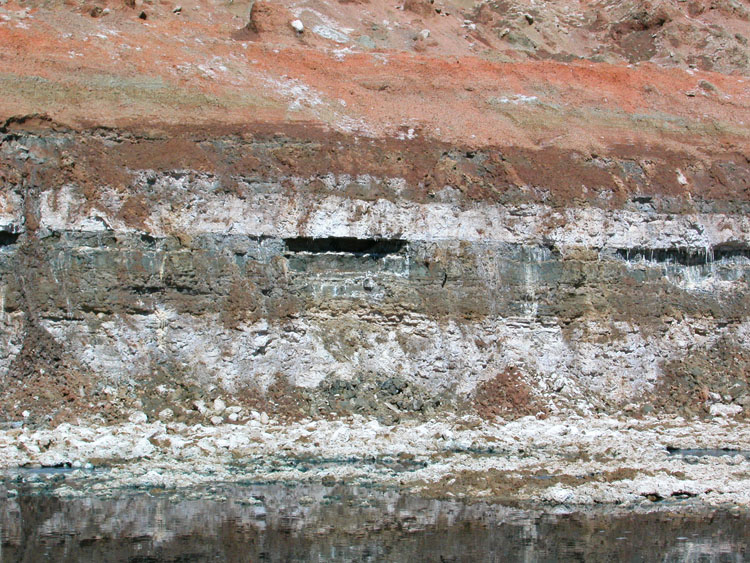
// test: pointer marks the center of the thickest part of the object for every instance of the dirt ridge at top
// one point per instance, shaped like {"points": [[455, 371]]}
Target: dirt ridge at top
{"points": [[564, 74]]}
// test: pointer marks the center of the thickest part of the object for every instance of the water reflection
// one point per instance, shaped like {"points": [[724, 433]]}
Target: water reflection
{"points": [[338, 523]]}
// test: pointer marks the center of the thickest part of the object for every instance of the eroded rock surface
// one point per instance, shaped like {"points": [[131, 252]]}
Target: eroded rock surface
{"points": [[398, 214], [125, 272]]}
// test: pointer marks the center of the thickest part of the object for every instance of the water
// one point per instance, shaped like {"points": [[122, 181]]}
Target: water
{"points": [[710, 452], [271, 522]]}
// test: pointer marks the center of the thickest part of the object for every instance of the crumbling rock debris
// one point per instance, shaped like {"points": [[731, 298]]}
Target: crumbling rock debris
{"points": [[269, 17], [506, 395], [422, 8]]}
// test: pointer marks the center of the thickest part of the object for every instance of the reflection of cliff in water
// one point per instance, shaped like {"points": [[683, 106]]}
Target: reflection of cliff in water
{"points": [[319, 523]]}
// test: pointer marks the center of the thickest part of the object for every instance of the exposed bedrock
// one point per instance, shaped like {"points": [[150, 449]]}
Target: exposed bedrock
{"points": [[350, 273]]}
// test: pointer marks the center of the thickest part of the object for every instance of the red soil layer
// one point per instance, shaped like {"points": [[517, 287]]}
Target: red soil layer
{"points": [[119, 71]]}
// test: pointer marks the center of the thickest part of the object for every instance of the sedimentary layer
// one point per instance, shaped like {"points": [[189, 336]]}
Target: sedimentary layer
{"points": [[386, 277]]}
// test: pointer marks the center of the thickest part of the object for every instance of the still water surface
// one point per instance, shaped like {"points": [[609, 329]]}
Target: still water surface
{"points": [[272, 522]]}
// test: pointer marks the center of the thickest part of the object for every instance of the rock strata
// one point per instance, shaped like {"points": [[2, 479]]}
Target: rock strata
{"points": [[137, 274], [228, 217]]}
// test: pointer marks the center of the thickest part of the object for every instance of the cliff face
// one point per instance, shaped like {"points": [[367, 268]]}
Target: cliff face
{"points": [[332, 229], [415, 274]]}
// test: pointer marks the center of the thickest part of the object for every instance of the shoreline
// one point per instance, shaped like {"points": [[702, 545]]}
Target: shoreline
{"points": [[554, 461]]}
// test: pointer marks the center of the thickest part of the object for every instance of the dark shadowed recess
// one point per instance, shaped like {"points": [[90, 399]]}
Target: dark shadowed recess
{"points": [[685, 256], [348, 245], [7, 238]]}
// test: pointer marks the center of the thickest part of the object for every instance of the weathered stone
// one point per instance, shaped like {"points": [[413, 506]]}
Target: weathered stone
{"points": [[138, 417]]}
